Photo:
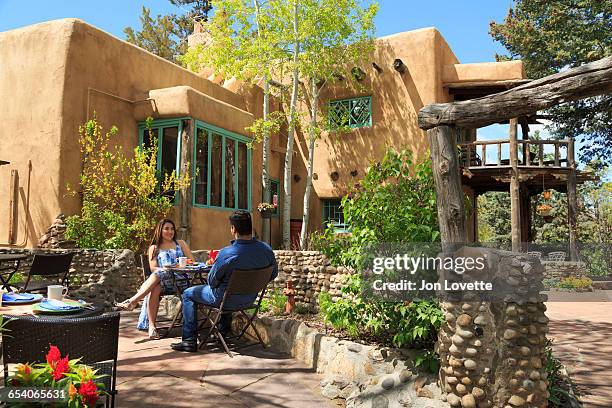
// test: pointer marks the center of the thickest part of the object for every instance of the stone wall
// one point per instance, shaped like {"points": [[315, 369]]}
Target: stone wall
{"points": [[55, 237], [311, 273], [563, 269], [98, 276], [358, 375], [493, 353]]}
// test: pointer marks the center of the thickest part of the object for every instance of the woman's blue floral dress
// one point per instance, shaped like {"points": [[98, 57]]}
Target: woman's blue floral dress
{"points": [[165, 257]]}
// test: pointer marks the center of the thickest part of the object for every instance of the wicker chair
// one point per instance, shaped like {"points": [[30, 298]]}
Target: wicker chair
{"points": [[94, 339], [242, 282], [48, 265]]}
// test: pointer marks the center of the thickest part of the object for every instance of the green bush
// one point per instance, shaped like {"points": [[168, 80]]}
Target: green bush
{"points": [[276, 302], [562, 391], [123, 196], [572, 282]]}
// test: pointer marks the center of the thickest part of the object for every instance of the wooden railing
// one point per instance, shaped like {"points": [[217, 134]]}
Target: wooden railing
{"points": [[474, 154]]}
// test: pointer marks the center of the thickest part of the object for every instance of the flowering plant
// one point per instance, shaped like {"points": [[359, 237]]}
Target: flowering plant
{"points": [[78, 379], [265, 207]]}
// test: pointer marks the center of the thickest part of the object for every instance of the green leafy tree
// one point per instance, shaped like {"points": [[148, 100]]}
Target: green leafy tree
{"points": [[550, 36], [303, 41], [123, 196], [199, 8], [165, 36]]}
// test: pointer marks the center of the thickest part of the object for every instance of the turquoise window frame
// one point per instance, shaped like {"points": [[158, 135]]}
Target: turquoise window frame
{"points": [[225, 134], [276, 212], [161, 124], [338, 227], [353, 124]]}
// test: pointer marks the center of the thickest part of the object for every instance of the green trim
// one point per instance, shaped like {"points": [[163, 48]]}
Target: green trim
{"points": [[223, 134], [348, 106]]}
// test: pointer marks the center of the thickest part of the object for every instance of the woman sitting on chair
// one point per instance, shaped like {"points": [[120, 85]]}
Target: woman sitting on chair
{"points": [[164, 251]]}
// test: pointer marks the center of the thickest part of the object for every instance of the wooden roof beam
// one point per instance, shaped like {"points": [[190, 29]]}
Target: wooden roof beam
{"points": [[594, 78]]}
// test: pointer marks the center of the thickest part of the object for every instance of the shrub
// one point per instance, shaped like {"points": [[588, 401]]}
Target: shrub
{"points": [[574, 283], [562, 391], [123, 197], [276, 302]]}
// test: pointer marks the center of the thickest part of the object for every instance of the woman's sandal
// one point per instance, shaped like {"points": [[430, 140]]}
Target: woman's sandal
{"points": [[125, 305], [154, 334]]}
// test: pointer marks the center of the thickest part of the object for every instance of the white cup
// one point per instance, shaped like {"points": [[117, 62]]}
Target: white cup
{"points": [[56, 292], [182, 261]]}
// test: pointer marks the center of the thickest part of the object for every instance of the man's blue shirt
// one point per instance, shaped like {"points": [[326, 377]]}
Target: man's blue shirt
{"points": [[241, 254]]}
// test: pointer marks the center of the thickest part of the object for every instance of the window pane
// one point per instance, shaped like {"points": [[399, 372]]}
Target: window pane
{"points": [[201, 165], [168, 153], [230, 173], [332, 211], [216, 166], [243, 185], [147, 137]]}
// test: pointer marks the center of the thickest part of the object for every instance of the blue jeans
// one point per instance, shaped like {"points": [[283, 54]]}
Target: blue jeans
{"points": [[195, 294]]}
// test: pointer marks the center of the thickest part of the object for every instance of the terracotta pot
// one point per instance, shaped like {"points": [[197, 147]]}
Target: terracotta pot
{"points": [[546, 195]]}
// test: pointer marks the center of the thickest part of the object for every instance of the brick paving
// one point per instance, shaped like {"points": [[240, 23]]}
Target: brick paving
{"points": [[151, 374], [582, 340]]}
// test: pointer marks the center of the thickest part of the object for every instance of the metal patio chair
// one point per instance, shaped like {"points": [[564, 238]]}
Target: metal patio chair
{"points": [[242, 282], [94, 339], [54, 268]]}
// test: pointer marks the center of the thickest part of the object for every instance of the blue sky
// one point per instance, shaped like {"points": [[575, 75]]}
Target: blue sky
{"points": [[464, 24]]}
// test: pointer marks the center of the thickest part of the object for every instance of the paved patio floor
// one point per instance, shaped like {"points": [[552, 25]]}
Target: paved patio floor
{"points": [[151, 374], [582, 340]]}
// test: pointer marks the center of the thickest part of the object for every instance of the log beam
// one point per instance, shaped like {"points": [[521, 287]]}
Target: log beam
{"points": [[449, 193], [590, 79]]}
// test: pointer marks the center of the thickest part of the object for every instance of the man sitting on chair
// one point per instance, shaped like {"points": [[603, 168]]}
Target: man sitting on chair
{"points": [[244, 253]]}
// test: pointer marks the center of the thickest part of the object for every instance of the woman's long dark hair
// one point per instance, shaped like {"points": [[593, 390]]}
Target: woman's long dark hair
{"points": [[157, 235]]}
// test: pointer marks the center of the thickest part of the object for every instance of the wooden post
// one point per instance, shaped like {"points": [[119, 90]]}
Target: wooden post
{"points": [[449, 193], [572, 205], [525, 215], [13, 206], [515, 206], [187, 138], [525, 136]]}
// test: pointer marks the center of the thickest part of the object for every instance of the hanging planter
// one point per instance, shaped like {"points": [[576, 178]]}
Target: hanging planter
{"points": [[546, 195], [545, 210], [266, 210]]}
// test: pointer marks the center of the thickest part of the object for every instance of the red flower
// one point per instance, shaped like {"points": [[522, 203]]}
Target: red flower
{"points": [[59, 368], [89, 392], [53, 355]]}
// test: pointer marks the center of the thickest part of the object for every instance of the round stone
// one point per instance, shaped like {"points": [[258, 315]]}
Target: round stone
{"points": [[405, 376], [477, 343], [464, 320], [478, 392], [528, 384], [387, 383], [468, 401], [466, 306], [510, 334], [453, 400], [453, 362], [466, 334], [466, 381], [471, 352], [534, 375], [482, 381], [469, 364], [461, 389], [454, 350], [524, 363], [458, 340], [525, 350], [452, 380], [480, 320], [536, 362], [516, 401], [519, 374]]}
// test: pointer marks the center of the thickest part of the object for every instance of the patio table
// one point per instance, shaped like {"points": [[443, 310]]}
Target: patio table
{"points": [[16, 311], [7, 272]]}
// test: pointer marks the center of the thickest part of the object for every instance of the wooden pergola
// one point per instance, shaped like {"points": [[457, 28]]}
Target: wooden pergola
{"points": [[444, 122]]}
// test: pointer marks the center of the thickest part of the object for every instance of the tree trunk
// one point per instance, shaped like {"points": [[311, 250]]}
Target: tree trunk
{"points": [[590, 79], [265, 179], [572, 204], [185, 193], [515, 201], [449, 194], [291, 135], [311, 147]]}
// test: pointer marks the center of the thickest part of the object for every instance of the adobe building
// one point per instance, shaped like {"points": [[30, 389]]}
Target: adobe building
{"points": [[55, 75]]}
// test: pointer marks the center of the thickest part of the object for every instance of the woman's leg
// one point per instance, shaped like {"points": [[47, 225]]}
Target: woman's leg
{"points": [[153, 306], [148, 285]]}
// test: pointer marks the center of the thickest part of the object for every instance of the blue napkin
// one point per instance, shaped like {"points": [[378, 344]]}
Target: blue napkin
{"points": [[52, 304], [16, 297]]}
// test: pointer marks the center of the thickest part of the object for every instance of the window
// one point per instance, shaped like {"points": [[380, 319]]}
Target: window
{"points": [[274, 191], [168, 146], [222, 169], [355, 112], [332, 212]]}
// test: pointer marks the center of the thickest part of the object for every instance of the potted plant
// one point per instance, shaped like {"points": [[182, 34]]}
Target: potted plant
{"points": [[266, 209], [77, 381], [545, 210]]}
